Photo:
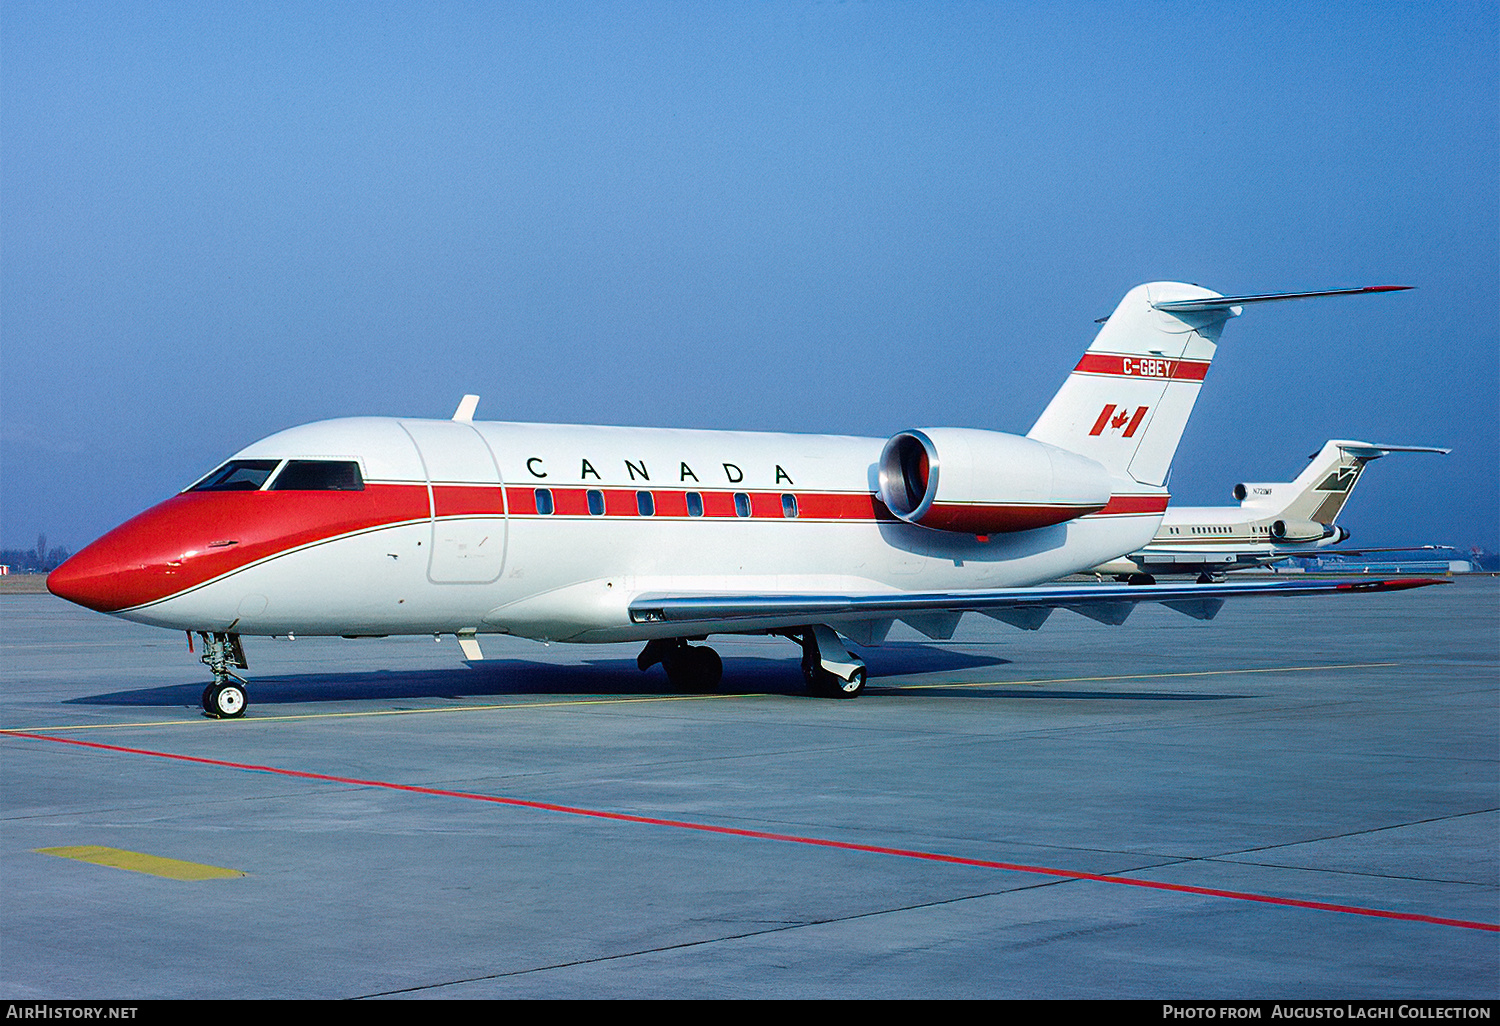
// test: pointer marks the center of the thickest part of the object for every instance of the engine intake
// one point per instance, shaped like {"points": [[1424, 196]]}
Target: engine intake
{"points": [[987, 482]]}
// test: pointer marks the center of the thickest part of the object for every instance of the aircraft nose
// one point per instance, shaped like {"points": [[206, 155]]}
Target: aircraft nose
{"points": [[147, 558], [103, 576]]}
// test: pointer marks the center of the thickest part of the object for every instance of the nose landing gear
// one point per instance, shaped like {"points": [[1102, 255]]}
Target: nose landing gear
{"points": [[224, 698]]}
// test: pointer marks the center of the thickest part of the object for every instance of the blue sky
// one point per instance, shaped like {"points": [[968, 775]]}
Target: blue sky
{"points": [[220, 220]]}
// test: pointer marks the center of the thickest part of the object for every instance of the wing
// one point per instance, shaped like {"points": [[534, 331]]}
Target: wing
{"points": [[935, 613]]}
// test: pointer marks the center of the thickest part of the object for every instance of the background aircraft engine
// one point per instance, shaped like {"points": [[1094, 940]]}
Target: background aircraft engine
{"points": [[1302, 530], [986, 482]]}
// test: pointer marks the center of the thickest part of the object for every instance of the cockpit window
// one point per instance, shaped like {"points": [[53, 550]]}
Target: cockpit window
{"points": [[319, 476], [237, 476]]}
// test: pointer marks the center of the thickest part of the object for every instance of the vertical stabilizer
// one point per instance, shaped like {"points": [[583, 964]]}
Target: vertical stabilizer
{"points": [[1127, 402], [1320, 491]]}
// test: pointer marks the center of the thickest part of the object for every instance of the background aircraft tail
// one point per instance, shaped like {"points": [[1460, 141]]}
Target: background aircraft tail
{"points": [[1127, 402], [1320, 491]]}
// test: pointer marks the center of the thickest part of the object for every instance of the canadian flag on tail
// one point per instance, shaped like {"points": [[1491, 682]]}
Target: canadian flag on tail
{"points": [[1119, 420]]}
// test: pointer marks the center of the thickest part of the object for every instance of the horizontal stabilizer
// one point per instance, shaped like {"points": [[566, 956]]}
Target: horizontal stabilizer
{"points": [[1373, 451], [1227, 302]]}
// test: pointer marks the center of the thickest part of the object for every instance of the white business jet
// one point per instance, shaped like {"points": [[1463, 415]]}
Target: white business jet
{"points": [[379, 526]]}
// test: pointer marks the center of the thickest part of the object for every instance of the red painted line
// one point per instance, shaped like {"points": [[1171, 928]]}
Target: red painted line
{"points": [[928, 856]]}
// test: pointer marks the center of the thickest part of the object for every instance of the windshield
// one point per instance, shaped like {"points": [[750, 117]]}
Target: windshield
{"points": [[319, 476], [237, 476]]}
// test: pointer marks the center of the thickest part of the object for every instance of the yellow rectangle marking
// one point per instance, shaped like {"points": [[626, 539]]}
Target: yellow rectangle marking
{"points": [[136, 862]]}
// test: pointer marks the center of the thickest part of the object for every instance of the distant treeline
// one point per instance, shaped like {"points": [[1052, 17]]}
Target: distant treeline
{"points": [[39, 560]]}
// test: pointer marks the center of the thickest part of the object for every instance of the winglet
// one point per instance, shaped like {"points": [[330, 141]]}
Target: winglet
{"points": [[465, 412]]}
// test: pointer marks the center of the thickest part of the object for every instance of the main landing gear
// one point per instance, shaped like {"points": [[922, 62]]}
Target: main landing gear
{"points": [[224, 698], [689, 667], [827, 665]]}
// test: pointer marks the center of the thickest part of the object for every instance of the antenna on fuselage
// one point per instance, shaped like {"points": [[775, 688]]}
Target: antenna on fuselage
{"points": [[466, 406]]}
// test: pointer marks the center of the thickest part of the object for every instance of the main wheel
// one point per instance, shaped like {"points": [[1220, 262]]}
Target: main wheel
{"points": [[851, 688], [1141, 579], [225, 701], [694, 668], [709, 669]]}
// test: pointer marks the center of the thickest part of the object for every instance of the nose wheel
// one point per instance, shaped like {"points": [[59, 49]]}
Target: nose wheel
{"points": [[224, 698], [224, 701]]}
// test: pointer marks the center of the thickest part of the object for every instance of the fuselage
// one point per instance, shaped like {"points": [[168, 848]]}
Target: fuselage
{"points": [[1194, 539], [378, 526]]}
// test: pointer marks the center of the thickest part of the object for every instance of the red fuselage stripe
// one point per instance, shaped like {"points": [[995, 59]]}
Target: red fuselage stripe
{"points": [[197, 537]]}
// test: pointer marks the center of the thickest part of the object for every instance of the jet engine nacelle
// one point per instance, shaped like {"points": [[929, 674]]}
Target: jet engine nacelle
{"points": [[987, 482], [1303, 530]]}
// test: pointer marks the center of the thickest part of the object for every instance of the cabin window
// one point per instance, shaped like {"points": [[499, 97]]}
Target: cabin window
{"points": [[237, 476], [319, 476], [695, 504], [788, 505], [645, 504], [741, 504], [544, 504], [596, 503]]}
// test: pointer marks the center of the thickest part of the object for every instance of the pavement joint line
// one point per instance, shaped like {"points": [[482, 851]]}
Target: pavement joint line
{"points": [[819, 842], [680, 698], [780, 927]]}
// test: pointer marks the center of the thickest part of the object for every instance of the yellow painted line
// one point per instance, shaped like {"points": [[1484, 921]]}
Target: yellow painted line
{"points": [[1140, 676], [137, 862], [199, 720]]}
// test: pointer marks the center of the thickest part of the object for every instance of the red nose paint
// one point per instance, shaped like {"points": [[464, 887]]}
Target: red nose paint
{"points": [[181, 543]]}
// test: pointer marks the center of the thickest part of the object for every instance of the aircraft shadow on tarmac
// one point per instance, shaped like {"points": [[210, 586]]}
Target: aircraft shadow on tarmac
{"points": [[498, 677]]}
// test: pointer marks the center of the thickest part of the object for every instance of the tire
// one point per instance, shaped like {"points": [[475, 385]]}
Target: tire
{"points": [[1141, 579], [226, 701], [694, 668], [851, 688], [708, 669]]}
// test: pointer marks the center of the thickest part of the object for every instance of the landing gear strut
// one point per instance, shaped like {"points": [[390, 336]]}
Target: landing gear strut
{"points": [[827, 665], [224, 698], [689, 667]]}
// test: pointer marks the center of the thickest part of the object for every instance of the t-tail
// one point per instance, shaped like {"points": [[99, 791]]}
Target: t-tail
{"points": [[1127, 402], [1318, 494]]}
